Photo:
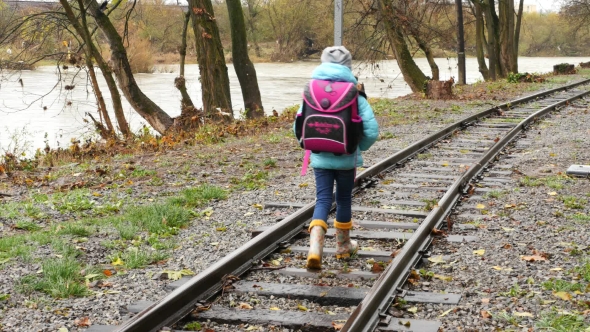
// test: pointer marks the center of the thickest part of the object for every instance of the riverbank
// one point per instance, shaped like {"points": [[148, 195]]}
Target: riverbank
{"points": [[97, 231]]}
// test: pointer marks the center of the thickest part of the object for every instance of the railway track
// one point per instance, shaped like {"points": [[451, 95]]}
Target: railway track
{"points": [[403, 200]]}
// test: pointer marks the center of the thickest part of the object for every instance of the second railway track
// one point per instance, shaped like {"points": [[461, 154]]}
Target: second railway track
{"points": [[402, 199]]}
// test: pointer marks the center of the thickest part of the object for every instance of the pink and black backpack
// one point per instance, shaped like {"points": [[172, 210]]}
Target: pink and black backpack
{"points": [[329, 121]]}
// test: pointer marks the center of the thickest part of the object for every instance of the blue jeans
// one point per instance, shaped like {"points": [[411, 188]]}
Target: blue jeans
{"points": [[324, 182]]}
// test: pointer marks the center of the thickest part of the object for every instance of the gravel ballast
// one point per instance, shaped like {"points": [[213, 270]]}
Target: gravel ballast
{"points": [[228, 223]]}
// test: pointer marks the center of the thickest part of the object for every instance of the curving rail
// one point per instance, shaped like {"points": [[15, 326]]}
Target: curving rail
{"points": [[368, 314]]}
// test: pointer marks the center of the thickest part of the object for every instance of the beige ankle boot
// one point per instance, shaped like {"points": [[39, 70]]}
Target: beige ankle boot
{"points": [[317, 230], [345, 247]]}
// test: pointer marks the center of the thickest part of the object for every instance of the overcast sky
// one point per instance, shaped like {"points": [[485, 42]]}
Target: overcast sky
{"points": [[544, 4]]}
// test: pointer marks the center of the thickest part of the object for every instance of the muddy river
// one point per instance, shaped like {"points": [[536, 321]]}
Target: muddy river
{"points": [[42, 110]]}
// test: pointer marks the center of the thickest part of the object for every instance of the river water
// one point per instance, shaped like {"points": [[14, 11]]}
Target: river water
{"points": [[42, 110]]}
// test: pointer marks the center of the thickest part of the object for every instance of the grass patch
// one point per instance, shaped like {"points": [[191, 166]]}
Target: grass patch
{"points": [[560, 285], [506, 317], [430, 203], [74, 229], [127, 230], [270, 162], [140, 172], [555, 182], [14, 246], [158, 218], [514, 291], [572, 202], [61, 278], [495, 194], [27, 225], [134, 258], [560, 322], [580, 217], [73, 201], [584, 270], [194, 197], [252, 180], [424, 156]]}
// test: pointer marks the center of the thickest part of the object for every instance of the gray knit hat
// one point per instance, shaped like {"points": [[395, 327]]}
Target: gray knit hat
{"points": [[337, 54]]}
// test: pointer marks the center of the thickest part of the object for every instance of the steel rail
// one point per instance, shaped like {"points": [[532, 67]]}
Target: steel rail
{"points": [[366, 316], [181, 301]]}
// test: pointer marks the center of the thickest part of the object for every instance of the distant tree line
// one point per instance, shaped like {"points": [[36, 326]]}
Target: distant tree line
{"points": [[119, 38]]}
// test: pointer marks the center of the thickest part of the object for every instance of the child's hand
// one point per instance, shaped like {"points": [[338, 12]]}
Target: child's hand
{"points": [[361, 89]]}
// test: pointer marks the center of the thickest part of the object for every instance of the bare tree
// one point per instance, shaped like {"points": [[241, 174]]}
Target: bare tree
{"points": [[214, 78], [242, 64], [148, 110], [413, 76], [81, 27]]}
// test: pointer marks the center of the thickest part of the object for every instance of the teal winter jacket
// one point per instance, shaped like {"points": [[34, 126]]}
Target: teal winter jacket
{"points": [[328, 160]]}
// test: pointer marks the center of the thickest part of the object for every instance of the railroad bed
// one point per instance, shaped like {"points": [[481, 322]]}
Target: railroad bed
{"points": [[409, 200]]}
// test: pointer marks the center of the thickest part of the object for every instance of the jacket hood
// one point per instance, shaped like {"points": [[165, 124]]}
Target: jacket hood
{"points": [[333, 72]]}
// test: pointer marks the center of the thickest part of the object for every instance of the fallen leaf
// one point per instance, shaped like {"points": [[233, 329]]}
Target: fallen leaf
{"points": [[244, 305], [436, 260], [337, 326], [107, 273], [523, 314], [117, 261], [445, 313], [507, 246], [445, 163], [258, 206], [485, 314], [274, 308], [479, 252], [438, 232], [533, 258], [413, 310], [553, 193], [303, 185], [485, 300], [176, 275], [563, 295], [301, 307], [480, 206], [377, 268], [556, 269], [443, 278], [82, 322]]}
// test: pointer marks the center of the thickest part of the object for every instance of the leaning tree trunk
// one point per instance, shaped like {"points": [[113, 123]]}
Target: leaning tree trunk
{"points": [[429, 56], [244, 68], [214, 78], [102, 107], [413, 76], [186, 102], [82, 30], [480, 40], [148, 110]]}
